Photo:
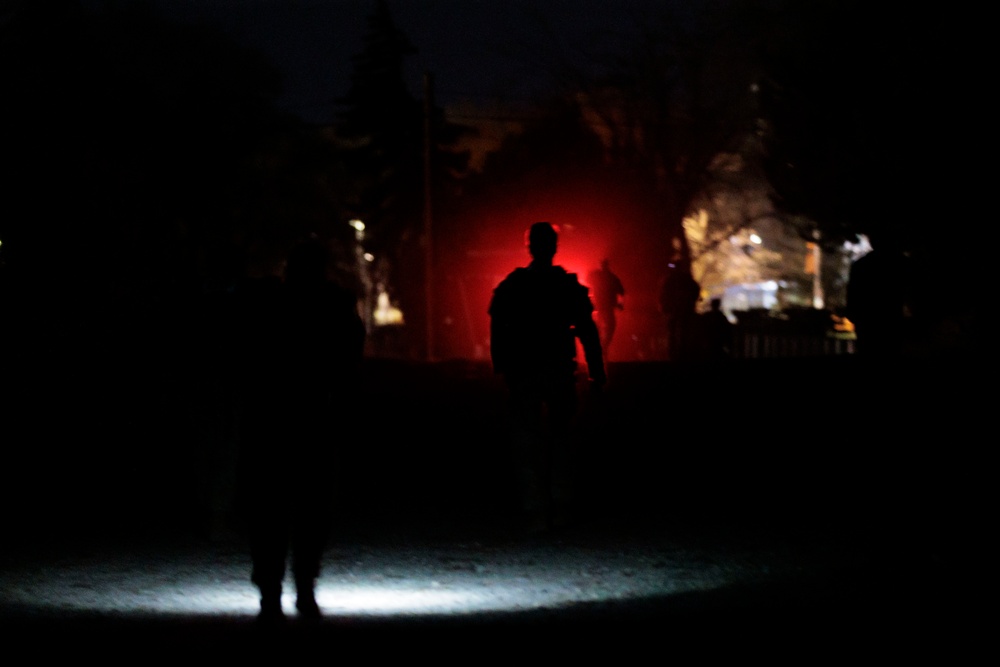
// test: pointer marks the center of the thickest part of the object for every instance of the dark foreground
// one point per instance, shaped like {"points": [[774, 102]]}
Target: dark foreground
{"points": [[867, 488]]}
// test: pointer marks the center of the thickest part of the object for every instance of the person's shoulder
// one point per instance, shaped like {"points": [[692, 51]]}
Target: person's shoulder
{"points": [[339, 291], [572, 285], [560, 275], [513, 278], [519, 272], [509, 288], [258, 291], [571, 278], [344, 299]]}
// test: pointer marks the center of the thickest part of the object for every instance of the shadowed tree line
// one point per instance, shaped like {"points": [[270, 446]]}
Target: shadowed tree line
{"points": [[382, 130], [857, 119], [145, 160], [146, 171], [871, 121]]}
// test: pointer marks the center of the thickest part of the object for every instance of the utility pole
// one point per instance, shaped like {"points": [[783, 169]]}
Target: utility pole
{"points": [[428, 219]]}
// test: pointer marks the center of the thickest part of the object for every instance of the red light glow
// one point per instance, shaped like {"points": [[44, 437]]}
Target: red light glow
{"points": [[594, 224]]}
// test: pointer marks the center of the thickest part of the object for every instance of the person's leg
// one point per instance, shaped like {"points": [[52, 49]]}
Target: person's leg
{"points": [[609, 334], [562, 463], [530, 455], [309, 536], [310, 442], [268, 549], [263, 504]]}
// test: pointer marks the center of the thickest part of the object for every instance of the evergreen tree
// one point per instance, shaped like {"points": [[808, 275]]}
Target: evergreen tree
{"points": [[380, 124], [128, 142]]}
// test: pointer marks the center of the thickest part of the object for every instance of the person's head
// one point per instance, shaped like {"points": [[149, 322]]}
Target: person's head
{"points": [[606, 264], [308, 262], [542, 240]]}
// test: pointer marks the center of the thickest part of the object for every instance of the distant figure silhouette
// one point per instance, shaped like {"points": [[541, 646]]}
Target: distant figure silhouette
{"points": [[303, 344], [537, 313], [878, 299], [716, 332], [679, 293], [609, 294]]}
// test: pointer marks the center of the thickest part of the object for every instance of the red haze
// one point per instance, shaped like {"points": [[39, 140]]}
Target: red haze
{"points": [[593, 226]]}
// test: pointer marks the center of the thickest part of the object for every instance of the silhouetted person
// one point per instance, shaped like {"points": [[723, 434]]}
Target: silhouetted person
{"points": [[303, 344], [537, 313], [609, 294], [679, 293], [878, 299], [716, 332]]}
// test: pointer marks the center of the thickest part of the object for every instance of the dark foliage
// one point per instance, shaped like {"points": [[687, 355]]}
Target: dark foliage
{"points": [[875, 126], [127, 143], [864, 124], [143, 166], [381, 127]]}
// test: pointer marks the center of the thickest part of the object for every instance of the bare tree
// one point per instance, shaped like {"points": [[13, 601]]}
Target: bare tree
{"points": [[668, 96]]}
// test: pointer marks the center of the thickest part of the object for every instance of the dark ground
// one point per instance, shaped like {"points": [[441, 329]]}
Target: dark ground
{"points": [[888, 467]]}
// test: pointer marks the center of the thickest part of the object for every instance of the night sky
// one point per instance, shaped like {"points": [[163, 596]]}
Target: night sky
{"points": [[479, 52], [494, 60]]}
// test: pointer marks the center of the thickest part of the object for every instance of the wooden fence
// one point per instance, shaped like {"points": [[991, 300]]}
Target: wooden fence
{"points": [[791, 333]]}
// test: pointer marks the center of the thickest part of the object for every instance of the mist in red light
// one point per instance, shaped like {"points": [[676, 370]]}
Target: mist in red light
{"points": [[595, 223]]}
